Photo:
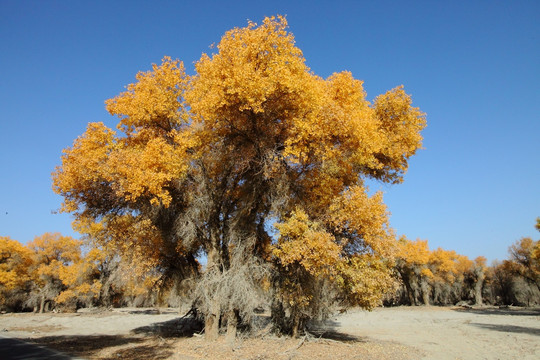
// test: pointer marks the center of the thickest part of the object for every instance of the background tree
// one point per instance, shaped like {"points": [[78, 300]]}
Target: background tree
{"points": [[525, 253], [81, 278], [15, 278], [412, 265], [442, 265], [516, 281], [479, 275], [502, 278], [53, 258], [204, 164]]}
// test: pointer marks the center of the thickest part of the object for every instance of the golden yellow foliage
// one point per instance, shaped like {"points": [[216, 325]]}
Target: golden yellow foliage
{"points": [[153, 106], [52, 252], [414, 253], [15, 263], [525, 254], [365, 279], [480, 262], [53, 256], [362, 222], [141, 252], [444, 264], [304, 242]]}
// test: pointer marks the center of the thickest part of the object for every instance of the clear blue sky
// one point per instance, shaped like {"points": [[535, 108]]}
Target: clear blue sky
{"points": [[472, 66]]}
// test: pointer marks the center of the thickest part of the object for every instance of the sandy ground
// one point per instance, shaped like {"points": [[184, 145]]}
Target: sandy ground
{"points": [[446, 333], [389, 333]]}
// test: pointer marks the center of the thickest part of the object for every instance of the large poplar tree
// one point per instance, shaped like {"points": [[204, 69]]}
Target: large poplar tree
{"points": [[206, 164]]}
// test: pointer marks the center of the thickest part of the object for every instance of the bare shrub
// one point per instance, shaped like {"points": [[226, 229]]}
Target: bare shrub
{"points": [[234, 293]]}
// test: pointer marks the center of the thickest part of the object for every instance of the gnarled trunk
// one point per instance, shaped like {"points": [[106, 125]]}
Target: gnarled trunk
{"points": [[478, 288], [295, 325], [42, 304], [232, 325], [211, 320], [424, 286], [411, 296]]}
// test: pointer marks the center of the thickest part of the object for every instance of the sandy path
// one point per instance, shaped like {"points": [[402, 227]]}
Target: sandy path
{"points": [[443, 333]]}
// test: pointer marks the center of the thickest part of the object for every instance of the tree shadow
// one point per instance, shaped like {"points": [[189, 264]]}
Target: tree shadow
{"points": [[145, 342], [509, 328], [336, 336], [499, 311], [83, 345], [154, 352], [181, 327], [328, 330]]}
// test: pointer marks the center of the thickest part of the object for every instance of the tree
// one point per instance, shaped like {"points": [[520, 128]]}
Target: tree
{"points": [[479, 275], [82, 280], [525, 253], [503, 278], [15, 264], [53, 258], [204, 164], [412, 265], [442, 264]]}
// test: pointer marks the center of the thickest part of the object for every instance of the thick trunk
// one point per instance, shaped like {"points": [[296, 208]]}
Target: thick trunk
{"points": [[232, 325], [412, 297], [211, 320], [478, 289], [424, 286], [410, 292], [406, 279], [211, 325], [42, 304], [295, 326]]}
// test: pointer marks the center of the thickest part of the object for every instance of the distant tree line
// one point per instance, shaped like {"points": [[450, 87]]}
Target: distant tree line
{"points": [[56, 272], [443, 277], [59, 273]]}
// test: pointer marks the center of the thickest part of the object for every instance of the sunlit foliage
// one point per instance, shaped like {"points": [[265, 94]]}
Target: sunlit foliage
{"points": [[15, 261], [54, 258], [526, 255], [412, 265], [15, 277]]}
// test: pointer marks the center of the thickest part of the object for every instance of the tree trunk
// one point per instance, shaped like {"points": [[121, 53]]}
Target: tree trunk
{"points": [[232, 325], [42, 304], [211, 324], [295, 326], [211, 321], [478, 288], [410, 293], [424, 286]]}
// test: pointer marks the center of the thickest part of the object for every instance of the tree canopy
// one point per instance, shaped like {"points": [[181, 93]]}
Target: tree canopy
{"points": [[205, 164]]}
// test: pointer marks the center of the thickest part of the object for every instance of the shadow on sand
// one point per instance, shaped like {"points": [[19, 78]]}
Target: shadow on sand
{"points": [[181, 327], [145, 342], [514, 311], [83, 345], [328, 330], [509, 328]]}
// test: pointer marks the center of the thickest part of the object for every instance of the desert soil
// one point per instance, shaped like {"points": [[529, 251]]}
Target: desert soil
{"points": [[385, 333]]}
